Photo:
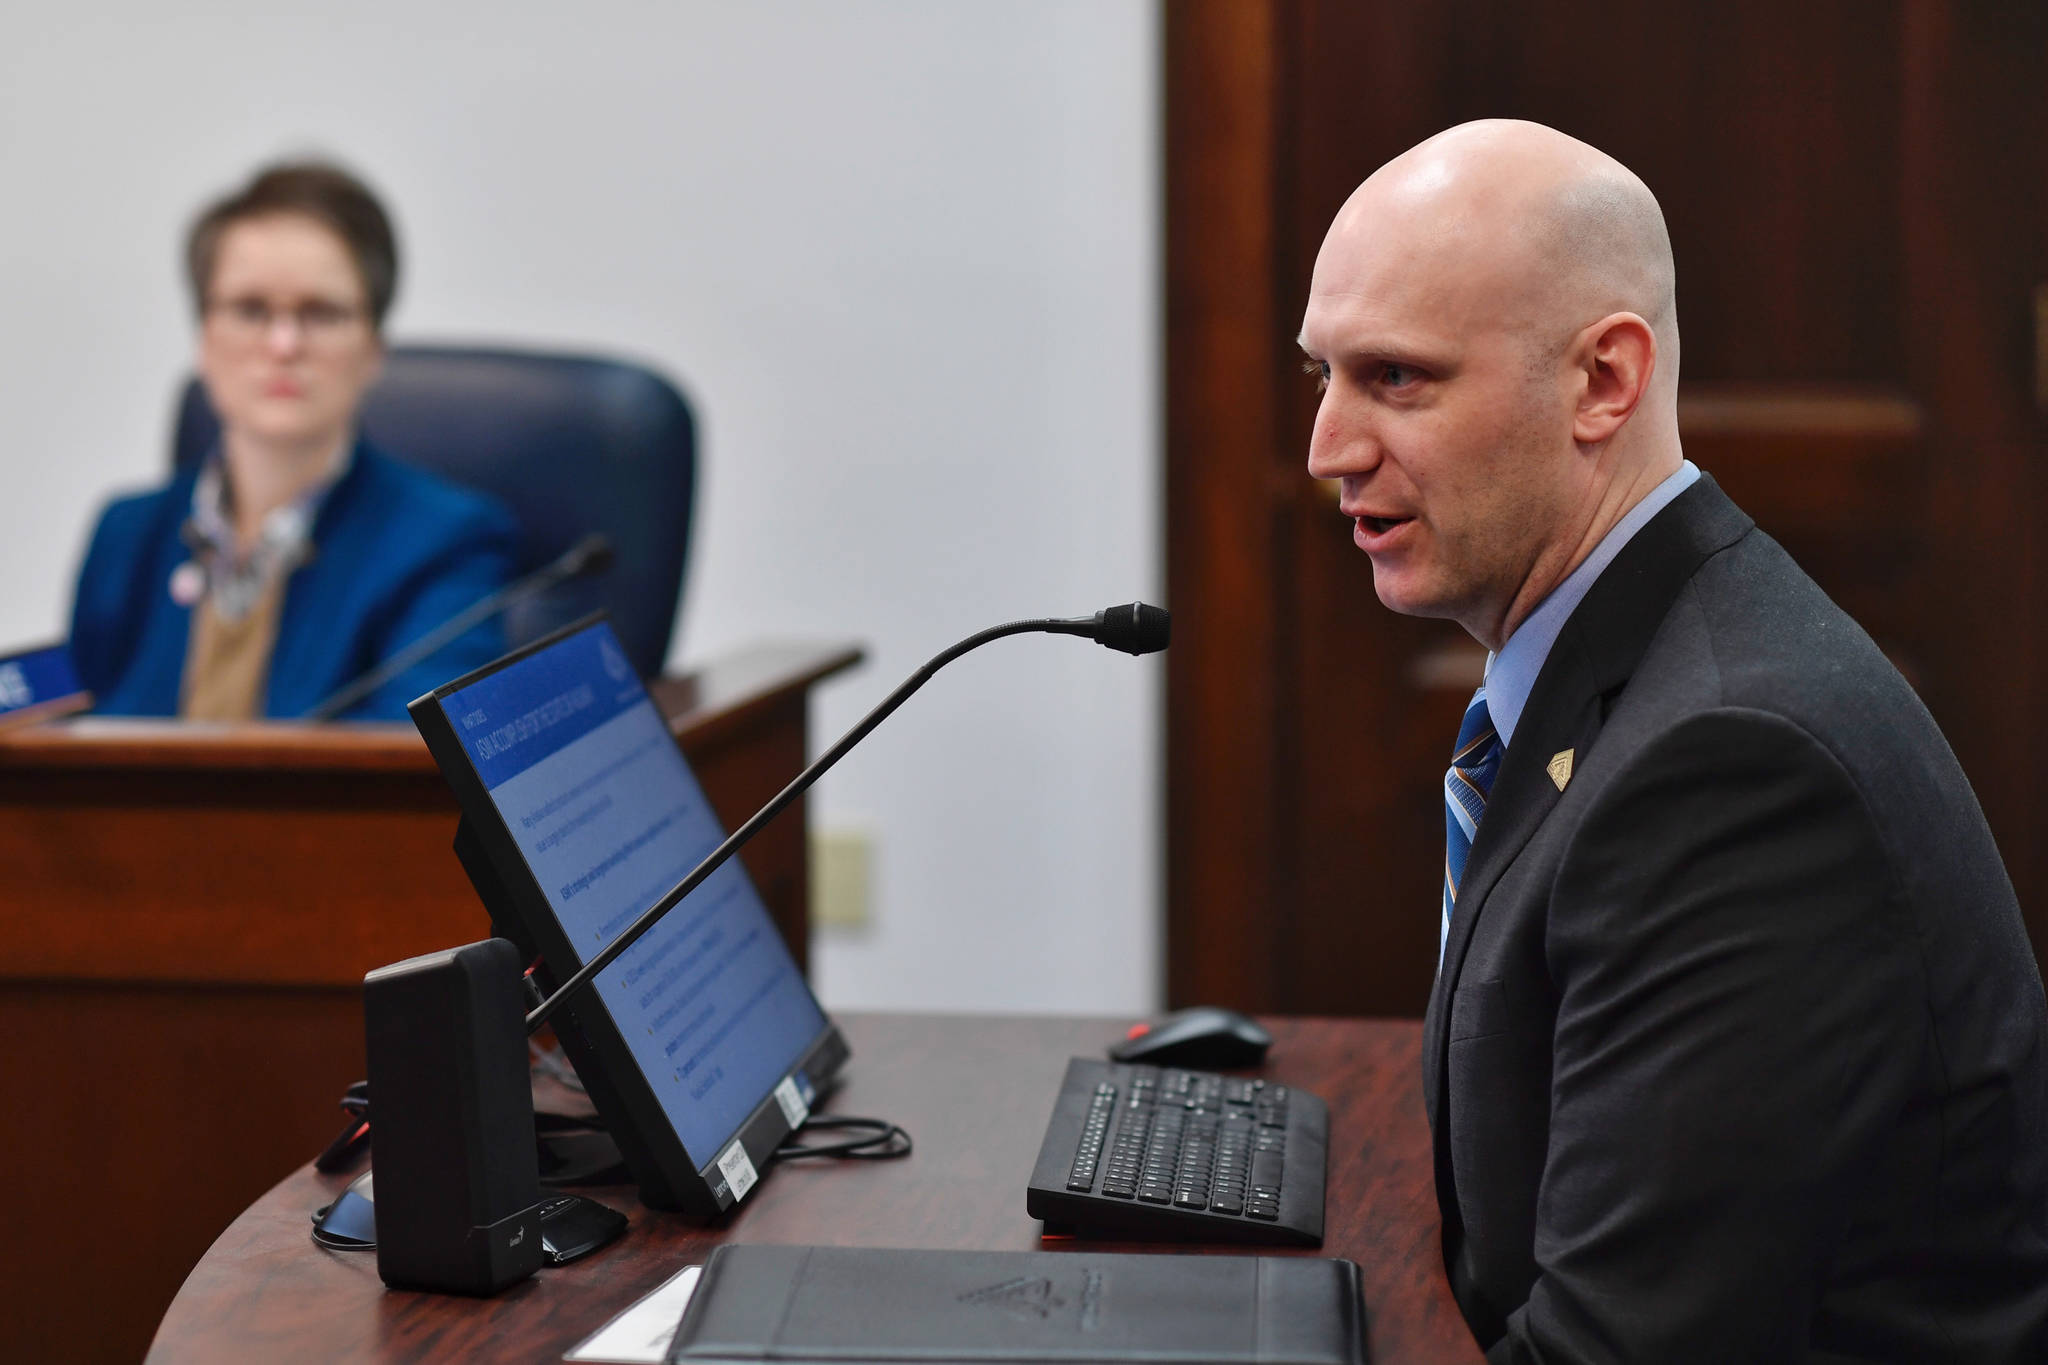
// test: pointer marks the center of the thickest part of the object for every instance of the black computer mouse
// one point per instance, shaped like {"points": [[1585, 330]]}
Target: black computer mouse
{"points": [[1203, 1037]]}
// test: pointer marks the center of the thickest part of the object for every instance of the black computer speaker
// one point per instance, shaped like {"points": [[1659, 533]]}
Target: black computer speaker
{"points": [[451, 1121]]}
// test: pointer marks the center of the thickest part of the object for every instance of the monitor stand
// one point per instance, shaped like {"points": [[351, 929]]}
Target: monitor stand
{"points": [[506, 923]]}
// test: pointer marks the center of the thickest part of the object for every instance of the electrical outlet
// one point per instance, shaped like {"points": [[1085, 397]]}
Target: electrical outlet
{"points": [[841, 880]]}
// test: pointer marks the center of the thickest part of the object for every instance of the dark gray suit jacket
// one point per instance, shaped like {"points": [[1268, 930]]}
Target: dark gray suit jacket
{"points": [[1738, 1051]]}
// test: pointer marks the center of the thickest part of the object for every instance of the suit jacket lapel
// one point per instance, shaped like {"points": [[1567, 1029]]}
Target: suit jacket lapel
{"points": [[1591, 659], [1523, 793], [1522, 798]]}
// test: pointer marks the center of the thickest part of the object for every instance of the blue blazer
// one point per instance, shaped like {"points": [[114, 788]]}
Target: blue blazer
{"points": [[395, 552]]}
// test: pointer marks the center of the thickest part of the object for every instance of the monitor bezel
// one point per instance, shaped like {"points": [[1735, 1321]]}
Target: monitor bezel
{"points": [[669, 1175]]}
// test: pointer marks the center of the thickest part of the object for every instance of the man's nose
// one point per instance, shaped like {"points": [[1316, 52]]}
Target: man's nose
{"points": [[1337, 447]]}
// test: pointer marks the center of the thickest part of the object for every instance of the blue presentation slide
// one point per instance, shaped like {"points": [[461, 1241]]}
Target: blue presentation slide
{"points": [[609, 817]]}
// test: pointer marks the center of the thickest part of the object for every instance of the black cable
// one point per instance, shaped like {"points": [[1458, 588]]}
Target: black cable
{"points": [[348, 1144], [885, 1141]]}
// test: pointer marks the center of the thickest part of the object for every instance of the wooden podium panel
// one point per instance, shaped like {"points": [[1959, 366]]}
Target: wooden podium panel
{"points": [[188, 913]]}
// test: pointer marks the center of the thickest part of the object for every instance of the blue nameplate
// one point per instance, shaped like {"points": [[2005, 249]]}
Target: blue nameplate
{"points": [[40, 680]]}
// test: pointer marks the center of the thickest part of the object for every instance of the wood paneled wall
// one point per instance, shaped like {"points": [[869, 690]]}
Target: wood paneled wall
{"points": [[1855, 190]]}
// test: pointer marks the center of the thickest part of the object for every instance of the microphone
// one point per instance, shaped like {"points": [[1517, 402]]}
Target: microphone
{"points": [[1134, 628], [587, 557]]}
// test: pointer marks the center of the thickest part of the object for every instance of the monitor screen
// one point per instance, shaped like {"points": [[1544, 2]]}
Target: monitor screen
{"points": [[607, 816]]}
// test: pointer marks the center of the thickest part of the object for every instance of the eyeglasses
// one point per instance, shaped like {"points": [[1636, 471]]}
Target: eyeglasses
{"points": [[248, 321]]}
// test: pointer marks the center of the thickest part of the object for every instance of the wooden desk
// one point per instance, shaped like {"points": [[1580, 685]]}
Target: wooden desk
{"points": [[188, 911], [974, 1092]]}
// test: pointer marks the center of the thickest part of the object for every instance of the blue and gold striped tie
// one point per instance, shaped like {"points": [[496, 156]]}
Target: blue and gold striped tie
{"points": [[1474, 762]]}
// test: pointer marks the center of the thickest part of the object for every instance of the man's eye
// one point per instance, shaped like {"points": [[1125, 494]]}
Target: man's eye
{"points": [[1320, 369], [1398, 376]]}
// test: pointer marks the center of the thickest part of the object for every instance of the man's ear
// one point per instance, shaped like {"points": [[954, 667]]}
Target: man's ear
{"points": [[1617, 355]]}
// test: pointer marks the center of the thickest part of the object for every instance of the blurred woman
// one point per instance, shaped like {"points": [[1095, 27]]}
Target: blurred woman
{"points": [[296, 556]]}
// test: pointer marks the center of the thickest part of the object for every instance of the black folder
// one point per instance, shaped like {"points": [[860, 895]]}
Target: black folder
{"points": [[870, 1306]]}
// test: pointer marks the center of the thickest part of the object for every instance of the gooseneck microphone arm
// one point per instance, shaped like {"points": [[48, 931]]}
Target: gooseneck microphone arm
{"points": [[590, 555], [1136, 628]]}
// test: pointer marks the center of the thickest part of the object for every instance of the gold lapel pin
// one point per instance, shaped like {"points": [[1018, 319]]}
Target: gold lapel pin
{"points": [[1560, 767]]}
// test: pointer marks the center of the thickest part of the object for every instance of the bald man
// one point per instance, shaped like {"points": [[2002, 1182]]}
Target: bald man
{"points": [[1737, 1049]]}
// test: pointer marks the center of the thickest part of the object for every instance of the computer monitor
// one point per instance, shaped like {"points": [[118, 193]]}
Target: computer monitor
{"points": [[702, 1045]]}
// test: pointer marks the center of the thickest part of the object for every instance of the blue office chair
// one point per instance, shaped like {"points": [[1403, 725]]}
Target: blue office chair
{"points": [[571, 444]]}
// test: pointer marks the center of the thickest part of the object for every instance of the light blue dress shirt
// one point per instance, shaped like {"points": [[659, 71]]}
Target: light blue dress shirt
{"points": [[1511, 674]]}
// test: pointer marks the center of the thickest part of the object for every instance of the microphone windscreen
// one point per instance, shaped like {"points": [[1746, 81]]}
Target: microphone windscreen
{"points": [[1134, 628]]}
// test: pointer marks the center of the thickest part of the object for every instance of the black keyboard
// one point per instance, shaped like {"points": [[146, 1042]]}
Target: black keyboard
{"points": [[1158, 1152]]}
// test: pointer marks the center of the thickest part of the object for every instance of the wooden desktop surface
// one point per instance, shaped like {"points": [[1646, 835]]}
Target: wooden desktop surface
{"points": [[975, 1093]]}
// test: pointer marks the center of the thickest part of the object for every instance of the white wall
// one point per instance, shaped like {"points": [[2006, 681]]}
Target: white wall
{"points": [[903, 256]]}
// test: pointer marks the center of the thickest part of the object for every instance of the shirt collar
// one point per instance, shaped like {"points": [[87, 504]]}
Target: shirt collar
{"points": [[233, 580], [1511, 673]]}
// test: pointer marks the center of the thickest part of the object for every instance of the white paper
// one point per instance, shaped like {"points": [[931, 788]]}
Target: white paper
{"points": [[794, 1110], [641, 1334], [738, 1169]]}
